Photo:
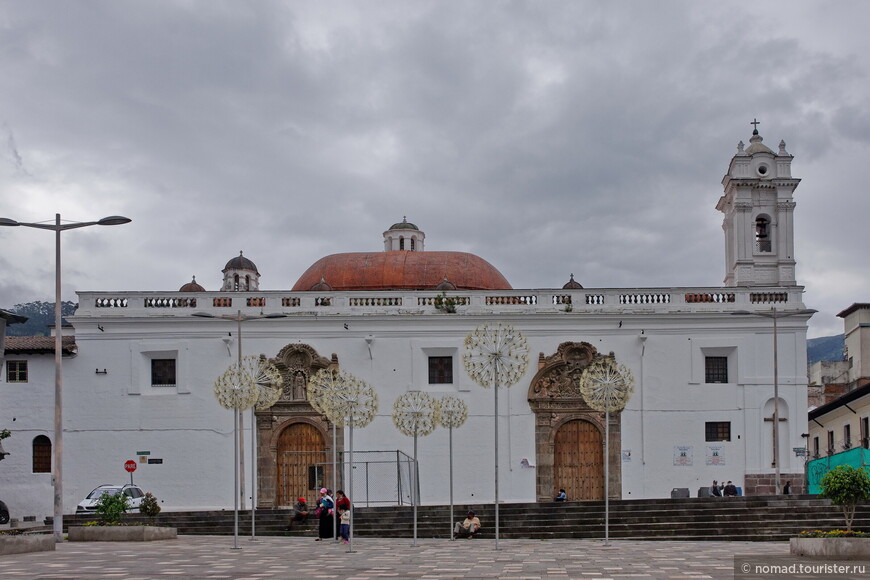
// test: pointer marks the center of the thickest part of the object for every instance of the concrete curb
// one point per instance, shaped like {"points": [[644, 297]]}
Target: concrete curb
{"points": [[26, 543], [121, 533]]}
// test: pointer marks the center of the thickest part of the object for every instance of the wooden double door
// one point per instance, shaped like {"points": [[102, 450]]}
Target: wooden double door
{"points": [[578, 465], [301, 464]]}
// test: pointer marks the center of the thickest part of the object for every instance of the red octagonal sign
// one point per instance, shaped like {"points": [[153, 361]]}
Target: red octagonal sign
{"points": [[130, 466]]}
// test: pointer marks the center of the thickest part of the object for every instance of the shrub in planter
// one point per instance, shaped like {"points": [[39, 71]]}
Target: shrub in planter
{"points": [[111, 508], [845, 486], [149, 506]]}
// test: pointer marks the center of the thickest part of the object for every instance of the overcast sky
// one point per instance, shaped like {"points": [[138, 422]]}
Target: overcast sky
{"points": [[549, 138]]}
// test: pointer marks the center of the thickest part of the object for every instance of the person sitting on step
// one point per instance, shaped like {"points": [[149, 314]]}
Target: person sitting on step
{"points": [[300, 513], [467, 528], [716, 489]]}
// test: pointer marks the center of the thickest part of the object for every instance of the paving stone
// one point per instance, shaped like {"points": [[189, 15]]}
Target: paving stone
{"points": [[200, 557]]}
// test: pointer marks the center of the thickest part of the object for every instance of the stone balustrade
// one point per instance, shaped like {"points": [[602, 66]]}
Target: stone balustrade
{"points": [[568, 302]]}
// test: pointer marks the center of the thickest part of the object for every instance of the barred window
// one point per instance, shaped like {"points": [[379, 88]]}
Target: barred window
{"points": [[718, 430], [163, 372], [41, 454], [16, 371], [716, 369], [440, 370]]}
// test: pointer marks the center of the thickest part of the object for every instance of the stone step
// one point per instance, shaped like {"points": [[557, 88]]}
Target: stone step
{"points": [[750, 519]]}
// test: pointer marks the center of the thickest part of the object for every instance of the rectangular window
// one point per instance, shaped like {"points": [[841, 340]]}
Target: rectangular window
{"points": [[440, 370], [831, 443], [847, 436], [865, 432], [716, 369], [163, 372], [815, 447], [718, 430], [16, 371], [41, 454], [315, 476]]}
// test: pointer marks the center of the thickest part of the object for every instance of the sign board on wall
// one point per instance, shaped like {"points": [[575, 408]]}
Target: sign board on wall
{"points": [[683, 455], [715, 455]]}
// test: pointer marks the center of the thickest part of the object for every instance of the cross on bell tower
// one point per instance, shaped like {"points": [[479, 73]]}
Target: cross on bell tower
{"points": [[759, 215]]}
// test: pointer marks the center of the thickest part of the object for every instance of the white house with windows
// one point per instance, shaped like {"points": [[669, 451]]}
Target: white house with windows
{"points": [[141, 384], [839, 429]]}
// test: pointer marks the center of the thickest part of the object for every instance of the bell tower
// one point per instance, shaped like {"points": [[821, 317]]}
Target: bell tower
{"points": [[759, 216]]}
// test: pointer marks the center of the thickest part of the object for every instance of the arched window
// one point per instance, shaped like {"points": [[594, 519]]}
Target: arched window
{"points": [[412, 244], [41, 454], [236, 282], [247, 282], [401, 243], [762, 234]]}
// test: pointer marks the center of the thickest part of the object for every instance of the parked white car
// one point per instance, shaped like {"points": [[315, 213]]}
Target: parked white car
{"points": [[133, 492]]}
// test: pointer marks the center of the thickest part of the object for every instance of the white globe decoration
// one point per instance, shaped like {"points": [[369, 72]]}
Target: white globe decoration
{"points": [[267, 378], [496, 352], [340, 396], [416, 413], [606, 385], [356, 403], [454, 411], [236, 389], [322, 388]]}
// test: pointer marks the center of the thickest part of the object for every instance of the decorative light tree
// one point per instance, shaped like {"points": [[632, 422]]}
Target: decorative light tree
{"points": [[416, 413], [344, 400], [454, 412], [235, 389], [499, 355], [606, 386], [268, 381]]}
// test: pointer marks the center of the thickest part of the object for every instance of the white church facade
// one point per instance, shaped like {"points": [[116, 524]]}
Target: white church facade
{"points": [[141, 384]]}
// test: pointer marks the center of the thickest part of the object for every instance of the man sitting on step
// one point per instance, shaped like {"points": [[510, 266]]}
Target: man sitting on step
{"points": [[715, 489], [467, 528]]}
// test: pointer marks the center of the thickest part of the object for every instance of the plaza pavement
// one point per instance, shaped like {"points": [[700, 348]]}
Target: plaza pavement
{"points": [[298, 557]]}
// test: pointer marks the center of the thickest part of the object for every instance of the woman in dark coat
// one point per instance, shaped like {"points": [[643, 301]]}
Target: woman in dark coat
{"points": [[327, 519]]}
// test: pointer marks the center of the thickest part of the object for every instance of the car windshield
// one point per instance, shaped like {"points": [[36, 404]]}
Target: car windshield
{"points": [[98, 492]]}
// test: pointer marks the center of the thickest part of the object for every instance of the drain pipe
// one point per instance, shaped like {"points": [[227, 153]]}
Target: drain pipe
{"points": [[642, 339]]}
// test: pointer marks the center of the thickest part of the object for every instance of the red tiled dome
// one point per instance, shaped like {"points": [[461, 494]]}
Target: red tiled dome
{"points": [[402, 271], [192, 286]]}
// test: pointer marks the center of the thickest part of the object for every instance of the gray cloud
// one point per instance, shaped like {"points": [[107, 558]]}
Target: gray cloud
{"points": [[567, 137]]}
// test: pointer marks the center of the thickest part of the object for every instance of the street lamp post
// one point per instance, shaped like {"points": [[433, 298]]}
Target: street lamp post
{"points": [[57, 227], [775, 315], [239, 460]]}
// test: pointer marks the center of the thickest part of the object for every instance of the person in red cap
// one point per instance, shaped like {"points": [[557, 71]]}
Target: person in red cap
{"points": [[300, 513]]}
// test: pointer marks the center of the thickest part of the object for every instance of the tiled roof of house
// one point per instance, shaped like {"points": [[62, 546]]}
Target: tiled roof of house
{"points": [[39, 345]]}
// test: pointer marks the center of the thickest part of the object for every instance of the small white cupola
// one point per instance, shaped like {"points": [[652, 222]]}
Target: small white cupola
{"points": [[240, 275], [759, 215], [403, 237]]}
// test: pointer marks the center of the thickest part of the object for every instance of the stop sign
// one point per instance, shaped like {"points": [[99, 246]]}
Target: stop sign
{"points": [[130, 466]]}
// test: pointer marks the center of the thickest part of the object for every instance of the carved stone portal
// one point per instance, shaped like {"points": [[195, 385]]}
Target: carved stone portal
{"points": [[293, 440], [569, 435]]}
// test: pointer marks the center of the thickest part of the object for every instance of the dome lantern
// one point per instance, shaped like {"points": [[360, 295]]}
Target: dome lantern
{"points": [[404, 237], [240, 275]]}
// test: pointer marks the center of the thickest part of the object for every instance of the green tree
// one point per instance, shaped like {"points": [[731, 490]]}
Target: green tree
{"points": [[845, 486], [40, 315]]}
